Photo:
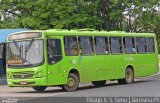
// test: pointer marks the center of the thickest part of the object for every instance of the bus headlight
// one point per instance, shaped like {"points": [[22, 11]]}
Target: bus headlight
{"points": [[38, 74]]}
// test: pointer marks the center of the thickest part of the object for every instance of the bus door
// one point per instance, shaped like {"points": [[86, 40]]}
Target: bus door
{"points": [[2, 58], [54, 56], [87, 59]]}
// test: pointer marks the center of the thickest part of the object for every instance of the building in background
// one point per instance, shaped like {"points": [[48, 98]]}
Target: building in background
{"points": [[3, 36]]}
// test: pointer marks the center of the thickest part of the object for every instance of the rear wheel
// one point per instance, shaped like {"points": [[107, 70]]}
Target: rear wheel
{"points": [[72, 83], [99, 83], [129, 77], [39, 88]]}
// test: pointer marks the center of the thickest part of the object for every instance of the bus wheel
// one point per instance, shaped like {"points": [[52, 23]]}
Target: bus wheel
{"points": [[72, 83], [39, 88], [129, 77], [99, 83]]}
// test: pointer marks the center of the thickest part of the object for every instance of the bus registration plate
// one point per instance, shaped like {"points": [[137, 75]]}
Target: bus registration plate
{"points": [[23, 83]]}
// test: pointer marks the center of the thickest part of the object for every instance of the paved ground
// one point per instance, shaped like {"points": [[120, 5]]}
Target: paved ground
{"points": [[143, 87]]}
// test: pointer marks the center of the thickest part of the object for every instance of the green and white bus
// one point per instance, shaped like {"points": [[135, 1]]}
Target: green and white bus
{"points": [[41, 59]]}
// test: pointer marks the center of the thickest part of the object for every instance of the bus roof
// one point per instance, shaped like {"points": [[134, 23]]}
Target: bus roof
{"points": [[60, 32], [82, 32]]}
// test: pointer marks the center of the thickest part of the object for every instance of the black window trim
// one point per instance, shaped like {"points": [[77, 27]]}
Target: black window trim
{"points": [[77, 45], [92, 45], [153, 45], [106, 38], [133, 45], [146, 52], [47, 50], [122, 52]]}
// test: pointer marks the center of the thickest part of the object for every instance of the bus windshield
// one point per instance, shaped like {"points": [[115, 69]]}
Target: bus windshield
{"points": [[25, 53]]}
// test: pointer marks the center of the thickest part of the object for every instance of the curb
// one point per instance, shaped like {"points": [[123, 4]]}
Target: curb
{"points": [[157, 74]]}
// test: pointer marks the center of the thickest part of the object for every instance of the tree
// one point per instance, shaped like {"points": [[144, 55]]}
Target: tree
{"points": [[44, 14], [145, 14]]}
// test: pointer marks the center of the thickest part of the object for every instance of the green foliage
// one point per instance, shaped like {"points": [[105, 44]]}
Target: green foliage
{"points": [[45, 14], [146, 16], [72, 14]]}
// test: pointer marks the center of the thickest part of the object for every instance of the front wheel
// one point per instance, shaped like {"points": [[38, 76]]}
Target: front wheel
{"points": [[129, 77], [72, 83], [39, 88], [99, 83]]}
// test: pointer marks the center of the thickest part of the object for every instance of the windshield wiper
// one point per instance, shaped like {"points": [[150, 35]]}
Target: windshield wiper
{"points": [[26, 50], [16, 45], [29, 45]]}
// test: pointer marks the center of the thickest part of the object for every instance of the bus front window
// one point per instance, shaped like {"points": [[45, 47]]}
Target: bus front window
{"points": [[25, 53]]}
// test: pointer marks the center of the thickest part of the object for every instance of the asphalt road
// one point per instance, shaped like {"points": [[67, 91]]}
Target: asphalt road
{"points": [[143, 87]]}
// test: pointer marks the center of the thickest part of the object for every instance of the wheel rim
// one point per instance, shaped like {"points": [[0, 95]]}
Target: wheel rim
{"points": [[129, 76], [71, 82]]}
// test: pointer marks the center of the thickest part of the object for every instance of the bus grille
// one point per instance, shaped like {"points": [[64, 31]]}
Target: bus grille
{"points": [[26, 75]]}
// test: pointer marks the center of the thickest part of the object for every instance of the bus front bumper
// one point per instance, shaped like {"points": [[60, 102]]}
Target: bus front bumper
{"points": [[27, 82]]}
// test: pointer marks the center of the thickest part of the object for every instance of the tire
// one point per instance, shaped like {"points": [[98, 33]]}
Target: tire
{"points": [[99, 83], [129, 77], [72, 83], [39, 88]]}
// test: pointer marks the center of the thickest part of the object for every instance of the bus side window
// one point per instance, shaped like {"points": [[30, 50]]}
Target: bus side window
{"points": [[71, 46], [101, 45], [129, 47], [86, 45], [116, 45], [141, 45], [54, 50], [150, 42]]}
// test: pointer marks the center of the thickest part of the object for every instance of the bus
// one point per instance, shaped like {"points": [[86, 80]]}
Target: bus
{"points": [[2, 58], [3, 39], [65, 58]]}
